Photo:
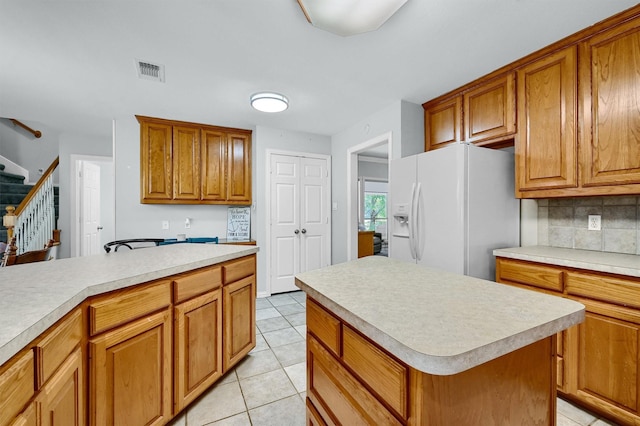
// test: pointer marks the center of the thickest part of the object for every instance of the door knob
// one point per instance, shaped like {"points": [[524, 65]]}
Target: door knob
{"points": [[304, 231], [297, 231]]}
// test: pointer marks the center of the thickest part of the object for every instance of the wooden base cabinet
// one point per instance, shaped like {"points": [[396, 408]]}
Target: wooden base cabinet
{"points": [[600, 359], [136, 356], [239, 320], [198, 346], [130, 380], [16, 387], [351, 380], [62, 399]]}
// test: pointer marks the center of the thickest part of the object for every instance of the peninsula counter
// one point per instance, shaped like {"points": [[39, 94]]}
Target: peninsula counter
{"points": [[170, 320], [391, 342]]}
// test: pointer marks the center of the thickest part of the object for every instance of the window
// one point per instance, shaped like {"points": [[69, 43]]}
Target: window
{"points": [[373, 206], [375, 211]]}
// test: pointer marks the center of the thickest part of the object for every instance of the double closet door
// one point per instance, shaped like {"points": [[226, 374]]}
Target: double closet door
{"points": [[300, 223]]}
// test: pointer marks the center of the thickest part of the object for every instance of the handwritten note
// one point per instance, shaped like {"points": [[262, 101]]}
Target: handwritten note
{"points": [[238, 223]]}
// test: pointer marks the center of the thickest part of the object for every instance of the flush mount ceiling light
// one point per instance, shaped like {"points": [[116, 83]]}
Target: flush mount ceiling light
{"points": [[269, 102], [349, 17]]}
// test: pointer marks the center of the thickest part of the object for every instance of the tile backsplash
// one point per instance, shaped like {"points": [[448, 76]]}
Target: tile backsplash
{"points": [[562, 222]]}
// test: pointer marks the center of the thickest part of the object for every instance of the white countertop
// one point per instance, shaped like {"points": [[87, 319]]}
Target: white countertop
{"points": [[36, 295], [612, 263], [436, 322]]}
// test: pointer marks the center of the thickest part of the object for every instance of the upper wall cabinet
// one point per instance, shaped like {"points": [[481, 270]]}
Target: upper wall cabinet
{"points": [[188, 163], [490, 111], [442, 122], [484, 114], [610, 81], [576, 124], [546, 151]]}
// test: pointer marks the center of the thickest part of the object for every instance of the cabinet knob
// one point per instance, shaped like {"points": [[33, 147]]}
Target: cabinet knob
{"points": [[297, 231], [304, 231]]}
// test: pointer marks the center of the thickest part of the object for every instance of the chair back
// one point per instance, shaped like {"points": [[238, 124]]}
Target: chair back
{"points": [[11, 258]]}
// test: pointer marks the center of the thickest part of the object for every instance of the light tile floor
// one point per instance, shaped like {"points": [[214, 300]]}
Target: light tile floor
{"points": [[268, 386]]}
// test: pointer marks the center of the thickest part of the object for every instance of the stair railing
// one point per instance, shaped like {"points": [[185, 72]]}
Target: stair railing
{"points": [[34, 220]]}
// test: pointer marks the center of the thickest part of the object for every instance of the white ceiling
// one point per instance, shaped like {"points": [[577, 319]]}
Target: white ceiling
{"points": [[70, 64]]}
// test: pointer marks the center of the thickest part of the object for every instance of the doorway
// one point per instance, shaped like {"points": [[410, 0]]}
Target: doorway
{"points": [[298, 216], [92, 204], [379, 144]]}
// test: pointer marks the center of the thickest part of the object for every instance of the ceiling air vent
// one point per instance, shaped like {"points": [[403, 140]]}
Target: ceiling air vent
{"points": [[150, 71]]}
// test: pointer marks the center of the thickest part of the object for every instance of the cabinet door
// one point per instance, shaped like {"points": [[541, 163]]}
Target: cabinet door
{"points": [[239, 301], [198, 346], [213, 165], [62, 398], [156, 161], [546, 148], [443, 123], [608, 356], [186, 163], [490, 111], [239, 168], [130, 366], [610, 82], [16, 386]]}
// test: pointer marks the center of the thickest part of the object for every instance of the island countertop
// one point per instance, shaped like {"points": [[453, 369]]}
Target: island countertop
{"points": [[436, 322], [36, 295]]}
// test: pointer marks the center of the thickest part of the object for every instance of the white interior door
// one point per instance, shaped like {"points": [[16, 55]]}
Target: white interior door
{"points": [[90, 202], [313, 214], [285, 226], [299, 213]]}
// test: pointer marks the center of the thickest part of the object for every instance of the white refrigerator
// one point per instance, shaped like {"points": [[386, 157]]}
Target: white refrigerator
{"points": [[451, 207]]}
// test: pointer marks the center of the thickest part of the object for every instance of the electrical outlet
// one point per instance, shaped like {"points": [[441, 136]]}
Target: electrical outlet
{"points": [[594, 222], [165, 224], [187, 223]]}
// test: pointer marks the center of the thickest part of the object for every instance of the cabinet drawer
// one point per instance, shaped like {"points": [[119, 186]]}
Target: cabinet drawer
{"points": [[620, 291], [115, 309], [57, 345], [197, 283], [16, 387], [324, 326], [548, 277], [333, 389], [238, 269], [387, 377]]}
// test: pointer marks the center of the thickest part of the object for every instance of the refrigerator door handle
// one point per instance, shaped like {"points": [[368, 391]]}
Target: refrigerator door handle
{"points": [[410, 223], [416, 219]]}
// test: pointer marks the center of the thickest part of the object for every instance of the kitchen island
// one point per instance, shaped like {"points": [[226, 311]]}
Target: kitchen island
{"points": [[391, 342], [82, 338]]}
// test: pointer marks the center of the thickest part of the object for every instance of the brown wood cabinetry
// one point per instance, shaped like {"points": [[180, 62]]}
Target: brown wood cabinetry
{"points": [[490, 111], [197, 335], [600, 358], [132, 359], [17, 380], [577, 113], [442, 122], [186, 163], [239, 301], [352, 380], [190, 163], [610, 139], [54, 368], [149, 351], [546, 148], [62, 399]]}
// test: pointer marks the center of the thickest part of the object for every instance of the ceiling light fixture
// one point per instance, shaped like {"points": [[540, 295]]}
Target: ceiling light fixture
{"points": [[349, 17], [269, 102]]}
